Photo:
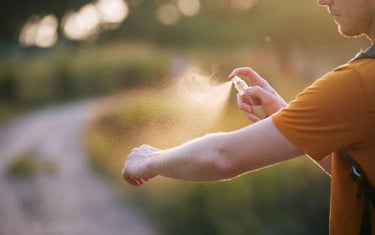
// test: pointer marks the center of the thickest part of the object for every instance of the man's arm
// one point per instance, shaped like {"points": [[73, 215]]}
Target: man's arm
{"points": [[213, 157], [270, 100]]}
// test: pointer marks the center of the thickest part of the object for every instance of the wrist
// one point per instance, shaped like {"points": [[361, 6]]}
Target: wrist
{"points": [[149, 165]]}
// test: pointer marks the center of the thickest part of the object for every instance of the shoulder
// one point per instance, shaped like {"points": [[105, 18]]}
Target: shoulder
{"points": [[343, 85], [328, 115], [364, 70], [355, 80]]}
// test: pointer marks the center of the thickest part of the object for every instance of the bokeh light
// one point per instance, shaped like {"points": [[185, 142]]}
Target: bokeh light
{"points": [[39, 32], [82, 24], [189, 7], [168, 14], [112, 11], [87, 22], [242, 5]]}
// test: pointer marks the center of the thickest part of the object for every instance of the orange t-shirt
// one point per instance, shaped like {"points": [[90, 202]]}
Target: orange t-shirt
{"points": [[337, 113]]}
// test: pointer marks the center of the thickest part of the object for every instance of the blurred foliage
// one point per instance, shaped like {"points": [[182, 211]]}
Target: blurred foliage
{"points": [[71, 73], [81, 72], [28, 166], [23, 167]]}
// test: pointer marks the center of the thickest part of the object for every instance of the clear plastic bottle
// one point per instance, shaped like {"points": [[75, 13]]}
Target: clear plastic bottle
{"points": [[241, 86]]}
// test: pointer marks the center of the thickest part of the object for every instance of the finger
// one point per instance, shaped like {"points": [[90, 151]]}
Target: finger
{"points": [[145, 146], [127, 177], [139, 181], [243, 105], [130, 180], [134, 181], [249, 74], [143, 180], [253, 77], [148, 148], [258, 93]]}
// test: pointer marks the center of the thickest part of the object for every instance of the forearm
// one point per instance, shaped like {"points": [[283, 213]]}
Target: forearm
{"points": [[224, 155], [196, 160]]}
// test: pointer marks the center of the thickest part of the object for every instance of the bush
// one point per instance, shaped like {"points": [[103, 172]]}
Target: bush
{"points": [[66, 73], [28, 166], [23, 167]]}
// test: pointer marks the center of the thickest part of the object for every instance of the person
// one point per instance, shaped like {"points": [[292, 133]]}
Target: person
{"points": [[337, 112]]}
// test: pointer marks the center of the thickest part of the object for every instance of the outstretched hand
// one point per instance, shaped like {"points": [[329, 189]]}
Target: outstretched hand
{"points": [[259, 93], [135, 169]]}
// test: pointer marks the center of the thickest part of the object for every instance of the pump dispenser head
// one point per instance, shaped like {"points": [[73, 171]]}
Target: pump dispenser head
{"points": [[239, 84]]}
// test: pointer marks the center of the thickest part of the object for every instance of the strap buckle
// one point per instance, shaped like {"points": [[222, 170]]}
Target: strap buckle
{"points": [[355, 175]]}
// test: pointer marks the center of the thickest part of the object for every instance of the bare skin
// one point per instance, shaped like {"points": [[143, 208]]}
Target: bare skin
{"points": [[213, 157], [226, 155], [354, 18]]}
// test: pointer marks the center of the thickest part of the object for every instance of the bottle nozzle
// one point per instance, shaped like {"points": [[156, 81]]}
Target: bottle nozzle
{"points": [[239, 84]]}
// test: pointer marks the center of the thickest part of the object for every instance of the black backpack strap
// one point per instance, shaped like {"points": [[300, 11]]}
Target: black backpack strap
{"points": [[364, 187], [369, 53]]}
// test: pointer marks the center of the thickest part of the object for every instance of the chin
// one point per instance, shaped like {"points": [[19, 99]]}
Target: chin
{"points": [[349, 33]]}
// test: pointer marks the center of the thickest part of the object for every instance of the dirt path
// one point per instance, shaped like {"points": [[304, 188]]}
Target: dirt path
{"points": [[73, 200]]}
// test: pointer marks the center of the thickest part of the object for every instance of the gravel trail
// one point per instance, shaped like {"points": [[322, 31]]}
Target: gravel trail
{"points": [[70, 201]]}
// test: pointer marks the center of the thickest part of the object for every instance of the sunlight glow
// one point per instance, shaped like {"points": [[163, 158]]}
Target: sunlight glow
{"points": [[39, 32], [168, 14], [189, 7], [112, 11], [242, 5]]}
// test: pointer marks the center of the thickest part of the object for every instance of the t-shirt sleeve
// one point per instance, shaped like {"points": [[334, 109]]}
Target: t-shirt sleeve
{"points": [[327, 116]]}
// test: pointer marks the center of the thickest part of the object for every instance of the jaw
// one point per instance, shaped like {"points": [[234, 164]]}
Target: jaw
{"points": [[358, 28], [371, 34]]}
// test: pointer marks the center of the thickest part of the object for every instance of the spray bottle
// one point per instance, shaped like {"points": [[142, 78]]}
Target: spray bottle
{"points": [[241, 85]]}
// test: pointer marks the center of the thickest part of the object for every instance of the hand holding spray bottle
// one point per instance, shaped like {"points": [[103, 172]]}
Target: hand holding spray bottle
{"points": [[241, 85]]}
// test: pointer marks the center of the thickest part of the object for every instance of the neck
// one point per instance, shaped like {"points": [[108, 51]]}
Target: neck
{"points": [[371, 36]]}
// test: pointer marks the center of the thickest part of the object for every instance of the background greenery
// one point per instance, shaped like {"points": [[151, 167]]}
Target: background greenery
{"points": [[290, 43]]}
